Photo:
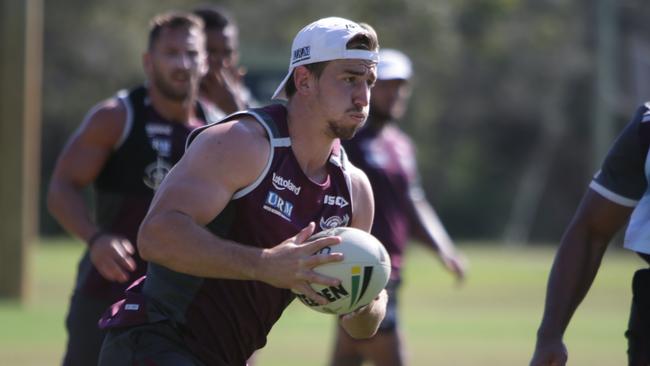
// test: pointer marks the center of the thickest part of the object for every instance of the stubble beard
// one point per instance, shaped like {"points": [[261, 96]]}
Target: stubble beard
{"points": [[343, 132], [168, 91]]}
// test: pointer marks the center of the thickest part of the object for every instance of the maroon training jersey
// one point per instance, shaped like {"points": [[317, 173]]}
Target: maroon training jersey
{"points": [[225, 321], [149, 147], [387, 156]]}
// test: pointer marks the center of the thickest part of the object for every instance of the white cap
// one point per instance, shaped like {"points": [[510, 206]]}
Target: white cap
{"points": [[393, 64], [324, 40]]}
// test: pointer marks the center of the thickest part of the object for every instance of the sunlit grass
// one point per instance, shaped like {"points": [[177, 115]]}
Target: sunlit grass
{"points": [[490, 320]]}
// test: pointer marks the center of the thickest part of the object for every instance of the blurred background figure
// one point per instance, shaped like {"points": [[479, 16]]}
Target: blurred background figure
{"points": [[402, 211], [124, 148], [223, 85], [619, 189]]}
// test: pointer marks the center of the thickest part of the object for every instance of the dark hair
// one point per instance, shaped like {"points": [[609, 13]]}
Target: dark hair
{"points": [[214, 17], [366, 40], [171, 20]]}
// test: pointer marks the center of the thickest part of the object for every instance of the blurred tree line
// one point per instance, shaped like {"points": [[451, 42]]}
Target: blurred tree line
{"points": [[504, 93]]}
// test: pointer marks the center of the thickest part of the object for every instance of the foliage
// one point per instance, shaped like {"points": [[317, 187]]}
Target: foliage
{"points": [[498, 81]]}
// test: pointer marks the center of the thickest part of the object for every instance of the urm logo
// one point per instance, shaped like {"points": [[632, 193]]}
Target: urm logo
{"points": [[360, 282], [277, 205]]}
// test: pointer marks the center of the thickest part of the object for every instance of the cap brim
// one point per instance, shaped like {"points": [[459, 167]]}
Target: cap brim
{"points": [[279, 92]]}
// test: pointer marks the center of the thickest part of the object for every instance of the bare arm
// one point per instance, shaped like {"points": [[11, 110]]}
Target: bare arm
{"points": [[77, 167], [576, 263], [196, 190], [80, 163], [434, 233], [364, 322]]}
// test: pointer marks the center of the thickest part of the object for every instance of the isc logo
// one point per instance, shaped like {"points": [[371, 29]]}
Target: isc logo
{"points": [[335, 201]]}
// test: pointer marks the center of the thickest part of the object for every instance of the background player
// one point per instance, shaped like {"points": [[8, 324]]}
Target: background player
{"points": [[619, 189], [124, 148], [387, 156], [223, 84]]}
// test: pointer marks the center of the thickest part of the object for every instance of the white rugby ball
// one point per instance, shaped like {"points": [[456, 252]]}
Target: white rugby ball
{"points": [[364, 271]]}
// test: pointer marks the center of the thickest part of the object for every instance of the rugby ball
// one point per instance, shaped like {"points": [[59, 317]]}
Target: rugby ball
{"points": [[364, 271]]}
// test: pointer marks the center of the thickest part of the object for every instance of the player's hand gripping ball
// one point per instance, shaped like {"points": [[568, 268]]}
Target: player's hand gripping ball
{"points": [[364, 271]]}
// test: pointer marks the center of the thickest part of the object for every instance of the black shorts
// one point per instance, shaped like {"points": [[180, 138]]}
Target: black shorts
{"points": [[155, 344], [638, 332], [84, 336], [389, 324]]}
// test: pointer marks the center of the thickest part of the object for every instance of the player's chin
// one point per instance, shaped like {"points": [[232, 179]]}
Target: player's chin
{"points": [[347, 133]]}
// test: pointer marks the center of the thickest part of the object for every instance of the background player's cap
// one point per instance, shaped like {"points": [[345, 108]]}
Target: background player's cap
{"points": [[393, 64], [324, 40]]}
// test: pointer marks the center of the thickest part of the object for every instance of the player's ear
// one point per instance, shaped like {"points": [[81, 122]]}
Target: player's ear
{"points": [[303, 80]]}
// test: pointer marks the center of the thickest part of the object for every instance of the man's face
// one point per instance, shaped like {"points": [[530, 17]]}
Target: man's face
{"points": [[222, 48], [389, 99], [343, 95], [176, 62]]}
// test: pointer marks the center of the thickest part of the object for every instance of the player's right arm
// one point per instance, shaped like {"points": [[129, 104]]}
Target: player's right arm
{"points": [[220, 161], [576, 263], [78, 166], [605, 208]]}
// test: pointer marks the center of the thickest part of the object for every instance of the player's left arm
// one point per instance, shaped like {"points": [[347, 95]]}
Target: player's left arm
{"points": [[364, 322], [427, 224]]}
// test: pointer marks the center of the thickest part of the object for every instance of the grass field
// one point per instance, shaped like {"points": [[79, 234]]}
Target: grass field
{"points": [[490, 320]]}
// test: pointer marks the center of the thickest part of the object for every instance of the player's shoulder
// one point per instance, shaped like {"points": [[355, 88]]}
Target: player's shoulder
{"points": [[396, 135], [111, 109], [646, 106], [104, 123], [362, 197], [358, 178], [108, 117], [241, 142], [644, 112], [237, 133]]}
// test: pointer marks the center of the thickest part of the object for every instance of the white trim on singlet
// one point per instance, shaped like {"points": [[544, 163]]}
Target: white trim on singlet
{"points": [[612, 196], [274, 142], [123, 96], [282, 142], [342, 162]]}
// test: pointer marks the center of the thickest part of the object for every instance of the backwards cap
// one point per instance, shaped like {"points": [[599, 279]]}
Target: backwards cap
{"points": [[324, 40], [393, 64]]}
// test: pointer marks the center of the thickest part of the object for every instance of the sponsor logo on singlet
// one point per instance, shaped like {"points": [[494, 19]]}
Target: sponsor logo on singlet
{"points": [[280, 183], [162, 146], [155, 172], [158, 129], [333, 221], [278, 205], [335, 201]]}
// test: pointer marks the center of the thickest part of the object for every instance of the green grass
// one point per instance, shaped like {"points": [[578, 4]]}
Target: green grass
{"points": [[490, 320]]}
